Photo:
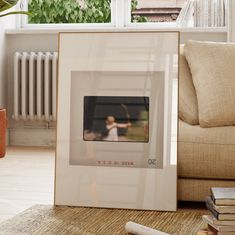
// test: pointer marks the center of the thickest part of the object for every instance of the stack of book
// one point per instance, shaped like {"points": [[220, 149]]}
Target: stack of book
{"points": [[221, 204]]}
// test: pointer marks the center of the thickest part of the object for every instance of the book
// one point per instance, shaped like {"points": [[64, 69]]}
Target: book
{"points": [[221, 209], [223, 196], [215, 232], [210, 219], [219, 216], [220, 228]]}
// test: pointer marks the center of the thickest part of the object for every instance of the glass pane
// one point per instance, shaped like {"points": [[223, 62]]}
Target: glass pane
{"points": [[185, 13], [69, 11], [155, 10]]}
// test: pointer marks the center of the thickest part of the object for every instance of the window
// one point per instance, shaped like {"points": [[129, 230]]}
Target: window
{"points": [[122, 13], [69, 11], [156, 11], [182, 13]]}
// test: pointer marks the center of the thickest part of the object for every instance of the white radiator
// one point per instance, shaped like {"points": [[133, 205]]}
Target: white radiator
{"points": [[35, 82]]}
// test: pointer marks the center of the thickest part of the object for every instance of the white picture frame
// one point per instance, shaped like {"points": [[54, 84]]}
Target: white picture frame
{"points": [[119, 68]]}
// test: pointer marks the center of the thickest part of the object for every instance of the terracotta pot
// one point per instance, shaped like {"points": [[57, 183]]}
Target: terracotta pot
{"points": [[3, 127]]}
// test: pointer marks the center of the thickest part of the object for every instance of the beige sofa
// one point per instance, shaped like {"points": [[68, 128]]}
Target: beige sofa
{"points": [[206, 156]]}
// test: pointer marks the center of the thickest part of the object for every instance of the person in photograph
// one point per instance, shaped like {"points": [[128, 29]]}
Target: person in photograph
{"points": [[112, 128]]}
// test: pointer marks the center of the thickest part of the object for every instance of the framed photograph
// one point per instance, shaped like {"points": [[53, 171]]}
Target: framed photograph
{"points": [[117, 120]]}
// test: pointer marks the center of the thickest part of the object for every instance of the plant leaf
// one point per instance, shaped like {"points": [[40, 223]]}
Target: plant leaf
{"points": [[15, 12], [6, 4]]}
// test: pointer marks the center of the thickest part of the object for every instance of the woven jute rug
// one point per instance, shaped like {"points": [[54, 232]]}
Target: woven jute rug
{"points": [[43, 219]]}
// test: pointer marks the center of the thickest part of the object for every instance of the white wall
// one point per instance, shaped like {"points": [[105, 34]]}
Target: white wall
{"points": [[28, 133], [43, 134], [5, 23], [34, 133], [20, 132]]}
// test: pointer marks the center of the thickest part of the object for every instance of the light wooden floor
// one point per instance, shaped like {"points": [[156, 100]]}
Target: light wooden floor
{"points": [[26, 179]]}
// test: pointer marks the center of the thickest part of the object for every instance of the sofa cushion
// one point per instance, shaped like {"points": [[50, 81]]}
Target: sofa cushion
{"points": [[198, 189], [213, 71], [206, 152], [188, 110]]}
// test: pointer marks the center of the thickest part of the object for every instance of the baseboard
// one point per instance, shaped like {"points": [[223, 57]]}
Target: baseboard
{"points": [[32, 137]]}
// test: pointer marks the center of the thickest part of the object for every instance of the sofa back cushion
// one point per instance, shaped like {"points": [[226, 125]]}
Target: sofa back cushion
{"points": [[188, 110], [213, 71]]}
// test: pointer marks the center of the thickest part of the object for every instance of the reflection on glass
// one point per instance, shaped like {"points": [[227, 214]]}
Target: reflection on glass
{"points": [[184, 13], [155, 10]]}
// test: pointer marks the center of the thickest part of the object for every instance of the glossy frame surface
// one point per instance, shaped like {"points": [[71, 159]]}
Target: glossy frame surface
{"points": [[151, 56]]}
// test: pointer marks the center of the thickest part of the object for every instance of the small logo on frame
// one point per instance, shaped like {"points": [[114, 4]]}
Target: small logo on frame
{"points": [[152, 162]]}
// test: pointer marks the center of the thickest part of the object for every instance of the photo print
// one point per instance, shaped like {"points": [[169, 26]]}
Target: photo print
{"points": [[116, 118]]}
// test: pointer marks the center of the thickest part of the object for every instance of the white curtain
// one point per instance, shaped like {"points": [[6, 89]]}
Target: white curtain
{"points": [[231, 31]]}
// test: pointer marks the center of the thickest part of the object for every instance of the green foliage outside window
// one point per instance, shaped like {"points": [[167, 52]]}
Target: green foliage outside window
{"points": [[74, 11], [69, 11], [136, 18]]}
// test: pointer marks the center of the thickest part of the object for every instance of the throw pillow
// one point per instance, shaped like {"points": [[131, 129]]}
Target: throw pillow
{"points": [[213, 71], [188, 110]]}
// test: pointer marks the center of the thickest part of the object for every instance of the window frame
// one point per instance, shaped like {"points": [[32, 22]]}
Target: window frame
{"points": [[150, 25], [120, 18], [23, 20]]}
